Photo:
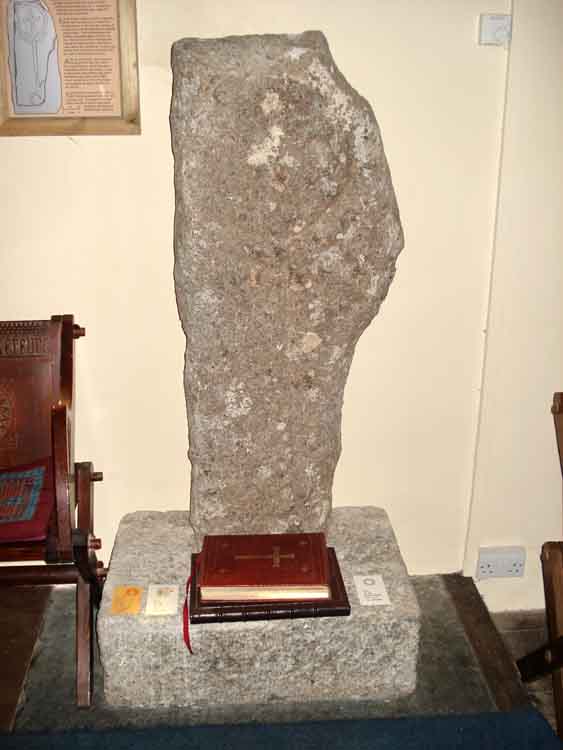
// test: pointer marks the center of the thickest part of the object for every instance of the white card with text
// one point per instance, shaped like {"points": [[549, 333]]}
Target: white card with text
{"points": [[162, 600], [371, 590]]}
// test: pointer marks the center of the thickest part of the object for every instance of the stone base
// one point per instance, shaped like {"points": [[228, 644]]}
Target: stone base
{"points": [[265, 671]]}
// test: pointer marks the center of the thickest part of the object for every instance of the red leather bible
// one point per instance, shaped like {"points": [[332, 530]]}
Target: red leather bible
{"points": [[217, 612], [264, 567]]}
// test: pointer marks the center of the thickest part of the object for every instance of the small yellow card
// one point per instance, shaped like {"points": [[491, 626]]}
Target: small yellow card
{"points": [[126, 600]]}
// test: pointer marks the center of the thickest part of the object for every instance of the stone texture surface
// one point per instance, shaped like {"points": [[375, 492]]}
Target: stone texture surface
{"points": [[286, 237], [276, 670]]}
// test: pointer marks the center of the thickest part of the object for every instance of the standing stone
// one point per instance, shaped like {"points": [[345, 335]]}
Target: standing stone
{"points": [[286, 237]]}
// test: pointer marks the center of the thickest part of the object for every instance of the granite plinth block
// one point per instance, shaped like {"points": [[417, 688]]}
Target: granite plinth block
{"points": [[266, 671]]}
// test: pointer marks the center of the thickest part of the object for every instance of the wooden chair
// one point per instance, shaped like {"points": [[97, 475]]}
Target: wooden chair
{"points": [[46, 500], [549, 658]]}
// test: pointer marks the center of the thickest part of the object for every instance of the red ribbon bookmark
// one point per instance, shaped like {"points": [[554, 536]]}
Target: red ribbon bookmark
{"points": [[186, 612], [186, 615]]}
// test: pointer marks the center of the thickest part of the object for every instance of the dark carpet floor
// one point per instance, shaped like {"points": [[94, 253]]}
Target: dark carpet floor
{"points": [[512, 730], [449, 678]]}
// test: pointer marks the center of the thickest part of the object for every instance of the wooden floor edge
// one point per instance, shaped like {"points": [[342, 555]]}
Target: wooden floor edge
{"points": [[497, 665], [29, 604]]}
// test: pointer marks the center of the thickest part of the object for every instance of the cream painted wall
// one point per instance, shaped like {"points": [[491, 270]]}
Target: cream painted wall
{"points": [[87, 228], [517, 489]]}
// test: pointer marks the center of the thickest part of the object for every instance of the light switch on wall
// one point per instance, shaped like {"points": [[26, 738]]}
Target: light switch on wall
{"points": [[495, 28]]}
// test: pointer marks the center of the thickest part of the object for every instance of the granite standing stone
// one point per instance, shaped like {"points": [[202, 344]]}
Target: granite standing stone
{"points": [[286, 237]]}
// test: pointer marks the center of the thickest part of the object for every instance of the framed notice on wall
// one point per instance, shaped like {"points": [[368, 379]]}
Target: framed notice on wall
{"points": [[68, 67]]}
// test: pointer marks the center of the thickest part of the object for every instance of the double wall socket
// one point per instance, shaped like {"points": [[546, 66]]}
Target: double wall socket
{"points": [[501, 562]]}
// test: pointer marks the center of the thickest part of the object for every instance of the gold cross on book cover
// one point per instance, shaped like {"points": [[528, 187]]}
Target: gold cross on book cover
{"points": [[264, 567]]}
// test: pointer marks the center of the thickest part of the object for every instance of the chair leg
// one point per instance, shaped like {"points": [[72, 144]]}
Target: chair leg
{"points": [[84, 643], [88, 588], [552, 567]]}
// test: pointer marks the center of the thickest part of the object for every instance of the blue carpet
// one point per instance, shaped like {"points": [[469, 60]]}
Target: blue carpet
{"points": [[517, 730]]}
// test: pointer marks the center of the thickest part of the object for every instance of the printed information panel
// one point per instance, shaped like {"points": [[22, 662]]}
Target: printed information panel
{"points": [[61, 58]]}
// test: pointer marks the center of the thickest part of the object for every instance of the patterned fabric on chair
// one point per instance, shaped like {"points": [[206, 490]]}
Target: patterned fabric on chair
{"points": [[27, 500]]}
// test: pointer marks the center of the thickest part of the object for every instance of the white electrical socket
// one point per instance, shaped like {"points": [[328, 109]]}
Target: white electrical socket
{"points": [[501, 562]]}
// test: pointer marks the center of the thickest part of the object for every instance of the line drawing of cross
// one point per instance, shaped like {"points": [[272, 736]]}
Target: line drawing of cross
{"points": [[276, 557]]}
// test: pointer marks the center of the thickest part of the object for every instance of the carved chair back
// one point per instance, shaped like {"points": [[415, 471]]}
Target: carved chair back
{"points": [[30, 384], [36, 390]]}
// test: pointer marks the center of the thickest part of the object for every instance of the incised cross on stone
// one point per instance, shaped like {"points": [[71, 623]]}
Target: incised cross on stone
{"points": [[276, 557]]}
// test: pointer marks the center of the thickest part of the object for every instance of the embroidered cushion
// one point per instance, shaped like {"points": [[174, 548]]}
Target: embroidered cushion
{"points": [[26, 501]]}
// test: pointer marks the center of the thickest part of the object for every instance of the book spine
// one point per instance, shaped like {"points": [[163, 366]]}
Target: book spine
{"points": [[270, 613]]}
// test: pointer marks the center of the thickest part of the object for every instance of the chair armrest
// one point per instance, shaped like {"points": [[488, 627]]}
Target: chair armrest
{"points": [[64, 509], [84, 542]]}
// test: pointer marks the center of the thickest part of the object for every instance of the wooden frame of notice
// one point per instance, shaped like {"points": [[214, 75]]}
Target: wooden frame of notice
{"points": [[128, 123]]}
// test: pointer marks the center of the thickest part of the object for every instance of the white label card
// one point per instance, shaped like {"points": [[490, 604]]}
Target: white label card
{"points": [[162, 600], [371, 590]]}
